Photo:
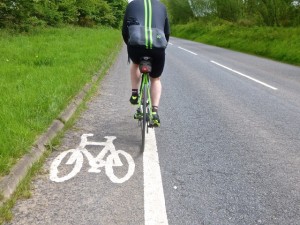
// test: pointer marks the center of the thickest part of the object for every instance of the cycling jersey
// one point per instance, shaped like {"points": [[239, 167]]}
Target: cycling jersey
{"points": [[146, 24]]}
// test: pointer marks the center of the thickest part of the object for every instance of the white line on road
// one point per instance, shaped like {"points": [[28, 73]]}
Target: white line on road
{"points": [[170, 43], [244, 75], [154, 200], [188, 50]]}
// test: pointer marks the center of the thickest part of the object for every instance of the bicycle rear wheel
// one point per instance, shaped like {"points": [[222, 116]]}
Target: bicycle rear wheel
{"points": [[144, 124]]}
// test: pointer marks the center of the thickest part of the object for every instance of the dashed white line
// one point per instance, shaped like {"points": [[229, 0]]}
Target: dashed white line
{"points": [[188, 51], [154, 200], [244, 75]]}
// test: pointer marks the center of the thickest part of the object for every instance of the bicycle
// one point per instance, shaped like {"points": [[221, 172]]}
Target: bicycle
{"points": [[95, 163], [144, 113]]}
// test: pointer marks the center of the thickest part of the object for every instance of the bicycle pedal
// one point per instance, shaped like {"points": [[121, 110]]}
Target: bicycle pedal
{"points": [[137, 117], [152, 124], [148, 118]]}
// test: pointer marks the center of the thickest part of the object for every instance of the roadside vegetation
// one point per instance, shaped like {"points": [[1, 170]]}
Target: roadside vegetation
{"points": [[40, 73], [49, 51], [268, 28], [23, 190], [278, 43], [24, 15]]}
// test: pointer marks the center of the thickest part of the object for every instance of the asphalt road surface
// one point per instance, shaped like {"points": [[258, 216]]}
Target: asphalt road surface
{"points": [[227, 152]]}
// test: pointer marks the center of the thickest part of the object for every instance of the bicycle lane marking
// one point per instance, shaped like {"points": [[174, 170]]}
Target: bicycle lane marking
{"points": [[95, 163], [154, 200]]}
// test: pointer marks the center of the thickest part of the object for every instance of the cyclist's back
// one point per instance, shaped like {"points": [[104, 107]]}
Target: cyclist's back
{"points": [[146, 24]]}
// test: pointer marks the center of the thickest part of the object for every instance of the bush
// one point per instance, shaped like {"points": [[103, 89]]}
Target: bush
{"points": [[277, 43], [26, 14]]}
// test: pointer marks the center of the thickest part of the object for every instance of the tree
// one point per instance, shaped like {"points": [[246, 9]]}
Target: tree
{"points": [[259, 12], [202, 8], [17, 14], [4, 16], [47, 11], [68, 11], [179, 11], [91, 12], [118, 8], [230, 10]]}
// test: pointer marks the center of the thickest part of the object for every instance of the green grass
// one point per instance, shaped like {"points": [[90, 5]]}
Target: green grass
{"points": [[276, 43], [40, 73], [23, 190]]}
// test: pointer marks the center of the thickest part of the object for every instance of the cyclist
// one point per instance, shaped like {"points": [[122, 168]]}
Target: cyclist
{"points": [[146, 32]]}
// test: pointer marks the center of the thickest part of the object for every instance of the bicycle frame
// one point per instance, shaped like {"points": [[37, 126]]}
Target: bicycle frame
{"points": [[145, 84], [144, 107], [144, 112]]}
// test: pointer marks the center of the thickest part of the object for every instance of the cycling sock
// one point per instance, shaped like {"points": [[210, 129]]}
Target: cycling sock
{"points": [[154, 108], [135, 92]]}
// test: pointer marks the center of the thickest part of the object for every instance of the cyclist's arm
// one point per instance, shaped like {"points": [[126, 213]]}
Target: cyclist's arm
{"points": [[125, 29], [167, 28]]}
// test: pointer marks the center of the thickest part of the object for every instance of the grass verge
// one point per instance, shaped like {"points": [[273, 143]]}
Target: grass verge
{"points": [[278, 43], [40, 73], [23, 190]]}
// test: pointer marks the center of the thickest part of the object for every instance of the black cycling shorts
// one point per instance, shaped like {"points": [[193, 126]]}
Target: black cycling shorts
{"points": [[157, 55]]}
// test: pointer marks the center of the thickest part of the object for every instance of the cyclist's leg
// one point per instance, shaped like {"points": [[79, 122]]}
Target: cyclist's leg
{"points": [[156, 88], [158, 62], [134, 74], [135, 81]]}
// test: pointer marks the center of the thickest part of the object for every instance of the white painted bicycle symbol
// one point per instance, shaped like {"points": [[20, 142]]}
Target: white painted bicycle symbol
{"points": [[76, 158]]}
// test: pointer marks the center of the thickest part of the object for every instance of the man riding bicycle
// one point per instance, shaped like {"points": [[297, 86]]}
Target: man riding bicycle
{"points": [[146, 32]]}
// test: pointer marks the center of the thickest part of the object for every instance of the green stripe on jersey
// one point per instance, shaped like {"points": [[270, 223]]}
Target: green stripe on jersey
{"points": [[148, 24]]}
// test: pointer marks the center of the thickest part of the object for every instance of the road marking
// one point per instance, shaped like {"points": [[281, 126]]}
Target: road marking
{"points": [[170, 43], [188, 50], [154, 200], [76, 160], [244, 75]]}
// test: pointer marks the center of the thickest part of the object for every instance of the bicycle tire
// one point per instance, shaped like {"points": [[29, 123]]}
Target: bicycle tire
{"points": [[76, 158], [144, 124], [109, 167]]}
